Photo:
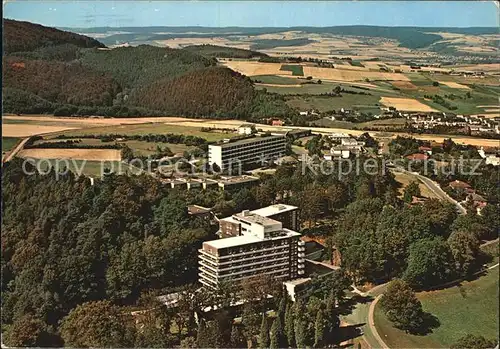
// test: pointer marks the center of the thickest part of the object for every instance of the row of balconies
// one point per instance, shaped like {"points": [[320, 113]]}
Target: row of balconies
{"points": [[236, 266], [245, 258]]}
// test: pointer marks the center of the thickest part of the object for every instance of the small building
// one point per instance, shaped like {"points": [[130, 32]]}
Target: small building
{"points": [[425, 150], [237, 182], [417, 157], [277, 122], [296, 288], [246, 129], [199, 211], [456, 185]]}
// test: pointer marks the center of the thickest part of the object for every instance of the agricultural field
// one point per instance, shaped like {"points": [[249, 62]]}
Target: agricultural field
{"points": [[85, 167], [406, 104], [152, 128], [76, 154], [297, 70], [141, 148], [471, 307], [8, 143]]}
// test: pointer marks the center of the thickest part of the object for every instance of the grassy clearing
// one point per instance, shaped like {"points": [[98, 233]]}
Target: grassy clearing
{"points": [[139, 147], [365, 103], [386, 124], [8, 143], [85, 167], [276, 80], [471, 307], [405, 179], [150, 128], [297, 70]]}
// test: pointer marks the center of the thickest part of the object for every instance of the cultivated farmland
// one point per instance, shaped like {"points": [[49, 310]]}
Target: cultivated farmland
{"points": [[76, 154], [406, 104]]}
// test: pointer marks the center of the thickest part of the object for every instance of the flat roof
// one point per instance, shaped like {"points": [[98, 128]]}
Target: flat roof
{"points": [[242, 179], [248, 239], [255, 218], [296, 282], [246, 141], [274, 209]]}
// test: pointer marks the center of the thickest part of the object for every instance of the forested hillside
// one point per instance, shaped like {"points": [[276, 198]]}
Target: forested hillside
{"points": [[25, 36], [67, 83], [68, 74], [216, 91], [107, 241], [224, 52], [142, 65]]}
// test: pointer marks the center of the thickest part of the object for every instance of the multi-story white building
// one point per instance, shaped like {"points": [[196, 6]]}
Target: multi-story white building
{"points": [[264, 247], [257, 149]]}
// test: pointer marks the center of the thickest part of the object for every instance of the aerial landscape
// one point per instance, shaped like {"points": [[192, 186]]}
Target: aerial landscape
{"points": [[219, 174]]}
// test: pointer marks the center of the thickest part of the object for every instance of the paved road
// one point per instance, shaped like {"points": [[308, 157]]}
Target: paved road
{"points": [[434, 188], [16, 150]]}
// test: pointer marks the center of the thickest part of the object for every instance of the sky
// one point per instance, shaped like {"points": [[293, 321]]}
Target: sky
{"points": [[254, 13]]}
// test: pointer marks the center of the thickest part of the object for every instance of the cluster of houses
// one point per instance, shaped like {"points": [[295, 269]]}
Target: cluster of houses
{"points": [[473, 123], [471, 197], [344, 146]]}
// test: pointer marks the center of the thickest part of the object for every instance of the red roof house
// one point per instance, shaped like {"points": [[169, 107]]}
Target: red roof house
{"points": [[417, 156], [456, 184]]}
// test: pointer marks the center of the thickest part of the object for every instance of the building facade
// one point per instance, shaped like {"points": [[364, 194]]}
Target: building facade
{"points": [[254, 150], [263, 248]]}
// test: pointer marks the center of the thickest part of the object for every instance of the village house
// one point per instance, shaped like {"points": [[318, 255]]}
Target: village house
{"points": [[417, 157]]}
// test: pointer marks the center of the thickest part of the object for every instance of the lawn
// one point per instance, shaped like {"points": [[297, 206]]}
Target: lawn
{"points": [[150, 128], [296, 70], [139, 147], [87, 168], [471, 307], [404, 179], [8, 143], [364, 103]]}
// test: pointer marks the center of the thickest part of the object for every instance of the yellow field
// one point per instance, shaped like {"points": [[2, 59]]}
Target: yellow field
{"points": [[350, 75], [249, 68], [72, 154], [493, 67], [405, 85], [20, 130], [406, 104], [454, 85]]}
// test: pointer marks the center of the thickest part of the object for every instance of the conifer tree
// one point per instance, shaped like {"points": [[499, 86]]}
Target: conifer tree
{"points": [[264, 333], [319, 328], [289, 326]]}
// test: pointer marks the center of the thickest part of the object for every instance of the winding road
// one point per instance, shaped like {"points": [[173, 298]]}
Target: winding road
{"points": [[435, 188]]}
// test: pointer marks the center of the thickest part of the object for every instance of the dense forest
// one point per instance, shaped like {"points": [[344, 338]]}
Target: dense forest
{"points": [[66, 83], [223, 52], [25, 36], [75, 75]]}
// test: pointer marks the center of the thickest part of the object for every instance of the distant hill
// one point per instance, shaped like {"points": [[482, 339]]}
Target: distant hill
{"points": [[25, 36], [410, 37], [223, 51]]}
